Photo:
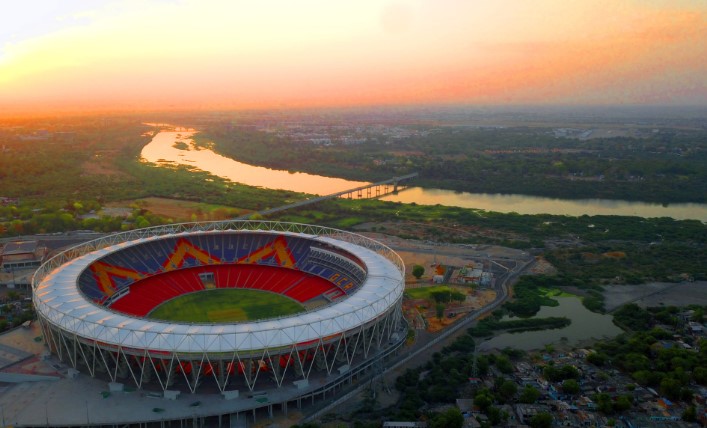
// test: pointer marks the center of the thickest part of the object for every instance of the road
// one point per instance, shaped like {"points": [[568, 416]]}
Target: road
{"points": [[426, 344]]}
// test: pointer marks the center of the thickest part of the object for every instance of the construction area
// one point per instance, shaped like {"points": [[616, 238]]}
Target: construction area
{"points": [[461, 278]]}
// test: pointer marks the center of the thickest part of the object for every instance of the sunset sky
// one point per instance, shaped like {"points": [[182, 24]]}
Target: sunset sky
{"points": [[134, 54]]}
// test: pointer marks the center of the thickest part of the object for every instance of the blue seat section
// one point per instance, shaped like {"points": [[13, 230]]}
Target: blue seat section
{"points": [[89, 286], [149, 258], [336, 266]]}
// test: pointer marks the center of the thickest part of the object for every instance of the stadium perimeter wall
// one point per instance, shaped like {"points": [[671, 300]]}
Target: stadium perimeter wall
{"points": [[106, 355]]}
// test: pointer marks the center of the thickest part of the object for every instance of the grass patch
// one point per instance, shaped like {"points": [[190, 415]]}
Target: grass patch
{"points": [[297, 219], [489, 326], [349, 222], [555, 292], [181, 210], [226, 305], [426, 292]]}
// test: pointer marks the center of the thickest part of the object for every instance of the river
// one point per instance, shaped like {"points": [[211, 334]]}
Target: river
{"points": [[524, 204], [165, 149], [585, 325]]}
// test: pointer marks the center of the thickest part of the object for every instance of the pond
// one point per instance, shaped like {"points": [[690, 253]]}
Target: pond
{"points": [[585, 325]]}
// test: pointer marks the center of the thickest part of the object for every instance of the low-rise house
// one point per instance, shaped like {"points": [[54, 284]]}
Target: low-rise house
{"points": [[21, 255]]}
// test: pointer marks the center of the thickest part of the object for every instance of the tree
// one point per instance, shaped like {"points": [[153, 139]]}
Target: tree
{"points": [[670, 387], [596, 358], [541, 420], [442, 296], [570, 386], [458, 296], [483, 399], [452, 418], [529, 395], [440, 311], [507, 390], [494, 414], [604, 403], [556, 374], [690, 414], [623, 402], [504, 364], [700, 375], [418, 271]]}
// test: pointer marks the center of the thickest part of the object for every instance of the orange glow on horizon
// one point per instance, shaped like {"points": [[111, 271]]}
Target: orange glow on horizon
{"points": [[218, 54]]}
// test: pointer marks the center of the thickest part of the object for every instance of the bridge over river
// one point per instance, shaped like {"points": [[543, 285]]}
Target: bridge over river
{"points": [[368, 191]]}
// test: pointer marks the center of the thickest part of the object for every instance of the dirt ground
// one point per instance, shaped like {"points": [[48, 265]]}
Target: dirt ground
{"points": [[24, 339], [422, 311], [656, 294], [543, 267], [102, 163], [438, 232], [475, 301], [184, 210], [428, 253]]}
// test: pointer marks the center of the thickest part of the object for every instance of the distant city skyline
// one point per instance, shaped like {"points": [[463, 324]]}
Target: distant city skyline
{"points": [[188, 54]]}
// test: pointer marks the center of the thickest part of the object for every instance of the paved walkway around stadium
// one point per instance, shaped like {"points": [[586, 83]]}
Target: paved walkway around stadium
{"points": [[56, 399], [85, 400]]}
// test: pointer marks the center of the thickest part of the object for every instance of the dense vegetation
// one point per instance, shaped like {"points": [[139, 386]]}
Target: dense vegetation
{"points": [[651, 356], [59, 180], [663, 166], [634, 318], [445, 378], [489, 326], [587, 251]]}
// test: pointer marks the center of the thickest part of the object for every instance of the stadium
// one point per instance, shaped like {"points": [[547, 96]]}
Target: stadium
{"points": [[223, 307]]}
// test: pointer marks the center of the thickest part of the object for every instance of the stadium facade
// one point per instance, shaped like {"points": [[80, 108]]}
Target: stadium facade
{"points": [[94, 303]]}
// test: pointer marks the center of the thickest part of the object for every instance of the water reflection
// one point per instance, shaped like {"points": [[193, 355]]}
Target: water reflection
{"points": [[585, 325], [162, 150], [524, 204]]}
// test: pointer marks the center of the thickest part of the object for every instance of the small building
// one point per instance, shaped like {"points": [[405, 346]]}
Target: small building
{"points": [[695, 328], [686, 316], [486, 279], [21, 255], [470, 276]]}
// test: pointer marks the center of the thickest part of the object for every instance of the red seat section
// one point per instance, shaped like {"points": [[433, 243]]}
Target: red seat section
{"points": [[310, 287], [148, 293]]}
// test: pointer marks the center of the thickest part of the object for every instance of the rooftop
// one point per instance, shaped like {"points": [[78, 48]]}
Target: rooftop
{"points": [[19, 247]]}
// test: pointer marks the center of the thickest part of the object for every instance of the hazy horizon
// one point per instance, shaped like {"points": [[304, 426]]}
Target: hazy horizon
{"points": [[221, 55]]}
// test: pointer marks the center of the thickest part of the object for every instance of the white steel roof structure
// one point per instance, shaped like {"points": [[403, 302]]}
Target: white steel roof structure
{"points": [[59, 302]]}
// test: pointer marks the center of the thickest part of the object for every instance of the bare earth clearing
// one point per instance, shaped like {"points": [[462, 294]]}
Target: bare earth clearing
{"points": [[179, 210], [656, 294]]}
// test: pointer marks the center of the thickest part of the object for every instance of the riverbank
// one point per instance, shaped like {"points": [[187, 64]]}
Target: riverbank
{"points": [[492, 161], [169, 148]]}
